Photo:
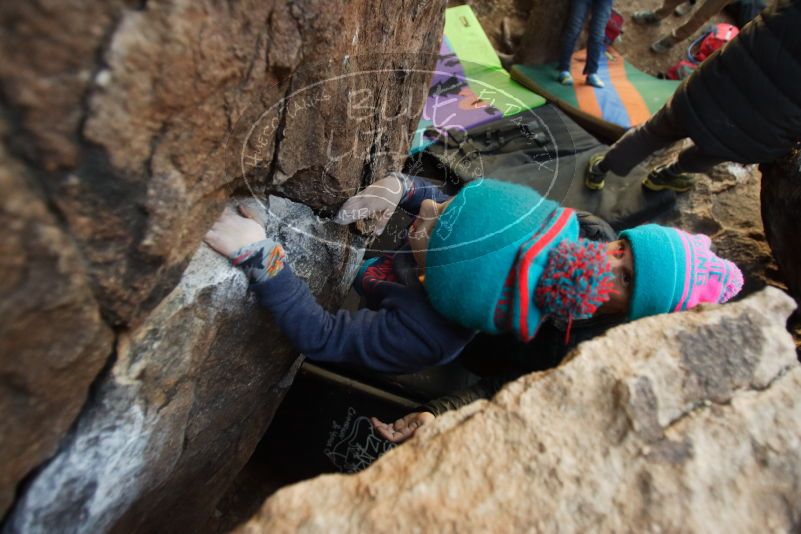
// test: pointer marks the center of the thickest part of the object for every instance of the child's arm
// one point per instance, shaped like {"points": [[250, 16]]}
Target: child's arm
{"points": [[405, 335], [419, 189]]}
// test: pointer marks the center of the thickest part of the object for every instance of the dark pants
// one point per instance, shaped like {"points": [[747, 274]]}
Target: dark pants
{"points": [[601, 10], [708, 9], [660, 131]]}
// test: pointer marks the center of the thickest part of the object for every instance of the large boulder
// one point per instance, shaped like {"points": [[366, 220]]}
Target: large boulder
{"points": [[684, 422], [129, 125], [189, 395], [52, 339], [128, 110]]}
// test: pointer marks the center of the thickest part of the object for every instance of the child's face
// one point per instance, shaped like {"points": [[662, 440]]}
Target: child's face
{"points": [[422, 228], [622, 263]]}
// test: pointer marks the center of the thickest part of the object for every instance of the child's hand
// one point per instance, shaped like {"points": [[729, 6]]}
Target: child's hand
{"points": [[403, 428], [232, 232], [377, 202]]}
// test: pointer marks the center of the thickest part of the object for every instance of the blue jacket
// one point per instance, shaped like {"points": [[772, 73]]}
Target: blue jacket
{"points": [[399, 332]]}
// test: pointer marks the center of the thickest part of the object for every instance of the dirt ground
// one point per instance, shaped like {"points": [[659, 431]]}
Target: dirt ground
{"points": [[637, 38], [634, 43]]}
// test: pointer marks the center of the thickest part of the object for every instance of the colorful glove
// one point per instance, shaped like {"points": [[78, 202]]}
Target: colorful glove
{"points": [[377, 202], [261, 260]]}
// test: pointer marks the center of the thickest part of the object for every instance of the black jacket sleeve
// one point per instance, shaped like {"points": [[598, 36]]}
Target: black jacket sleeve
{"points": [[486, 388]]}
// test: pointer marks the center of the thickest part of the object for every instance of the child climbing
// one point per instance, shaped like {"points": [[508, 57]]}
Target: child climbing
{"points": [[673, 271], [742, 104], [601, 10], [497, 257]]}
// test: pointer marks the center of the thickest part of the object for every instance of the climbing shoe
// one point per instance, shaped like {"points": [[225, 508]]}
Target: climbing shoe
{"points": [[683, 9], [645, 17], [663, 45], [595, 81], [661, 178], [595, 177], [564, 77]]}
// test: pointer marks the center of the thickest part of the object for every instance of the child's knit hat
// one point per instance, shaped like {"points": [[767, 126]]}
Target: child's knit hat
{"points": [[501, 256], [674, 270]]}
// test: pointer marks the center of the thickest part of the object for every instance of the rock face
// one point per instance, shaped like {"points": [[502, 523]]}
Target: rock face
{"points": [[126, 108], [126, 126], [190, 394], [781, 198], [687, 422], [540, 41], [52, 340]]}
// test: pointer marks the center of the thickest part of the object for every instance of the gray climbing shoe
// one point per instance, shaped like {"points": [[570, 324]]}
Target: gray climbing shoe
{"points": [[683, 9], [595, 177], [645, 17], [663, 45]]}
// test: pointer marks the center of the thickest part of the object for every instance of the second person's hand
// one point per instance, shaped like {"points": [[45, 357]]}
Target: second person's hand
{"points": [[376, 202], [403, 428]]}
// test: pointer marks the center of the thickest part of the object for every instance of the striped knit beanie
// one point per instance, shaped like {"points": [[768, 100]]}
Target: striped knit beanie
{"points": [[501, 257], [674, 271]]}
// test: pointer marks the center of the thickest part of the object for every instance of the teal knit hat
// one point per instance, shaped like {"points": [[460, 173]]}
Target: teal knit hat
{"points": [[674, 270], [487, 254]]}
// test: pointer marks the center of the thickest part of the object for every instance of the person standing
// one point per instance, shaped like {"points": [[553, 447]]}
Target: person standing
{"points": [[702, 15], [601, 10], [742, 104]]}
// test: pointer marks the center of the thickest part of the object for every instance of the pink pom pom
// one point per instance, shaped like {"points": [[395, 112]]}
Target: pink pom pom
{"points": [[734, 284]]}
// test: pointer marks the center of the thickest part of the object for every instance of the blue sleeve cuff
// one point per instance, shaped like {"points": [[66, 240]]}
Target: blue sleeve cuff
{"points": [[417, 190]]}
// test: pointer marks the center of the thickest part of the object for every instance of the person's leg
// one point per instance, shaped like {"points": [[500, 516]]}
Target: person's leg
{"points": [[708, 9], [638, 143], [693, 159], [668, 6], [702, 15], [683, 9], [635, 145], [654, 17], [677, 176], [601, 11], [578, 12]]}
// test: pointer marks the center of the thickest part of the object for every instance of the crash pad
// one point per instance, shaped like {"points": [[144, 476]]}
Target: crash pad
{"points": [[469, 87], [630, 97], [546, 150]]}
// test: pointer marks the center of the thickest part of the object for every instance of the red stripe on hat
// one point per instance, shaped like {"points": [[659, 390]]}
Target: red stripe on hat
{"points": [[522, 274]]}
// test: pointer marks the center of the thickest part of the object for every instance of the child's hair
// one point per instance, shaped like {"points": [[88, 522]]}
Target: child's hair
{"points": [[674, 271]]}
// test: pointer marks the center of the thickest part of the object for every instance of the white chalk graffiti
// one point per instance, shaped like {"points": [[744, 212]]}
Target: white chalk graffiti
{"points": [[353, 445]]}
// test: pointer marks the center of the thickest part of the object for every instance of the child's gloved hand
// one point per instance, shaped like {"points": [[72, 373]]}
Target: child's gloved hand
{"points": [[232, 231], [403, 428], [243, 241], [377, 202]]}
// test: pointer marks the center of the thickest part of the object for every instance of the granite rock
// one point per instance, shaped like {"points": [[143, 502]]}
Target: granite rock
{"points": [[53, 342], [188, 397], [682, 422]]}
